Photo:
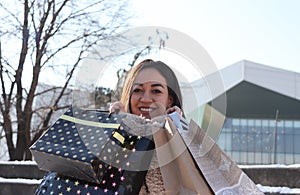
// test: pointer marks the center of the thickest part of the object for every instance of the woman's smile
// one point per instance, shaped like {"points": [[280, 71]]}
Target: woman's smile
{"points": [[144, 109]]}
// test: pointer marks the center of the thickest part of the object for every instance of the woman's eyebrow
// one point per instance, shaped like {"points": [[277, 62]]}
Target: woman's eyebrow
{"points": [[152, 85], [157, 85]]}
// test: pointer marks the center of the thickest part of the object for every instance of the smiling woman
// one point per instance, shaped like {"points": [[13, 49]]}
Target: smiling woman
{"points": [[151, 89]]}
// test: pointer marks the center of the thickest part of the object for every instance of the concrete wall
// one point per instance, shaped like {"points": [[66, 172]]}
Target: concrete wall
{"points": [[288, 177]]}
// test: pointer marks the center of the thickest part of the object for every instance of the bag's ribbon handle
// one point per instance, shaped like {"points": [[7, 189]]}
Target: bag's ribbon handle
{"points": [[90, 123]]}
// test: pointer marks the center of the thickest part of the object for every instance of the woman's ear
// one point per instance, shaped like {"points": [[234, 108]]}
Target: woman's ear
{"points": [[170, 102]]}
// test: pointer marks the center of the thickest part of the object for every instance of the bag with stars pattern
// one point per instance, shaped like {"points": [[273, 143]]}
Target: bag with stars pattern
{"points": [[112, 151], [56, 184]]}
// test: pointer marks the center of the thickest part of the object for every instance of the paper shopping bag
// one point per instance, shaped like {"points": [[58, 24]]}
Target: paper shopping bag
{"points": [[97, 147], [180, 174], [219, 170]]}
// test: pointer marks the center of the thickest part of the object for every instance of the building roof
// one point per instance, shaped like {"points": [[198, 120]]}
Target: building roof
{"points": [[252, 90], [278, 80]]}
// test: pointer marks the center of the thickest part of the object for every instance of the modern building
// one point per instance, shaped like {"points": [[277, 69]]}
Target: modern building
{"points": [[259, 109]]}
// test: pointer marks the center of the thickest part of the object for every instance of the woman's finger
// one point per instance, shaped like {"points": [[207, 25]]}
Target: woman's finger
{"points": [[117, 106], [174, 109]]}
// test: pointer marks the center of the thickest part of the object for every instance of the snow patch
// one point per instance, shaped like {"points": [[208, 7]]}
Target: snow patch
{"points": [[21, 181], [270, 166], [280, 190], [27, 162]]}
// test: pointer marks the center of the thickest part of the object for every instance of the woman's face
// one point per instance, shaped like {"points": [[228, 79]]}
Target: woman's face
{"points": [[149, 94]]}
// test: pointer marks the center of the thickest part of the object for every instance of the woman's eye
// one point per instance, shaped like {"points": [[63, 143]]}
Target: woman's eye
{"points": [[156, 91], [137, 90]]}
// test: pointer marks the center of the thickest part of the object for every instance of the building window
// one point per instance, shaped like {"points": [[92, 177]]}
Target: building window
{"points": [[263, 139]]}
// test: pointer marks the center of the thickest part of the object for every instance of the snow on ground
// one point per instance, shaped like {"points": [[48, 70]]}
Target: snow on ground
{"points": [[270, 166], [280, 190], [20, 180], [27, 162]]}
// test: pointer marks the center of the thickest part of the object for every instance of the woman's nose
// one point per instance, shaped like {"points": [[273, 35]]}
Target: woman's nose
{"points": [[146, 97]]}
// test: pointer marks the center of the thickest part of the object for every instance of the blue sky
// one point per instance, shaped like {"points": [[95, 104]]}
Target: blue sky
{"points": [[263, 31]]}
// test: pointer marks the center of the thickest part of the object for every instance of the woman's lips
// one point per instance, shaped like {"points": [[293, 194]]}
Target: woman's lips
{"points": [[146, 109], [152, 111]]}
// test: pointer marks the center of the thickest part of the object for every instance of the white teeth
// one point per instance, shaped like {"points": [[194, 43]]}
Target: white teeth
{"points": [[146, 109]]}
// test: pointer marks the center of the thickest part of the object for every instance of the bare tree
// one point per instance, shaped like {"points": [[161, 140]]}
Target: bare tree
{"points": [[40, 35]]}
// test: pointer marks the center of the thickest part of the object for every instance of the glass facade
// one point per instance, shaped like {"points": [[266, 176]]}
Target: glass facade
{"points": [[259, 141]]}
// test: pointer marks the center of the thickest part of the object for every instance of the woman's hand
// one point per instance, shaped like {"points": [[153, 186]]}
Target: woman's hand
{"points": [[174, 109], [116, 106]]}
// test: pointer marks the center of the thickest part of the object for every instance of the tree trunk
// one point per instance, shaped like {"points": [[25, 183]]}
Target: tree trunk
{"points": [[21, 136], [9, 136]]}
